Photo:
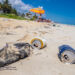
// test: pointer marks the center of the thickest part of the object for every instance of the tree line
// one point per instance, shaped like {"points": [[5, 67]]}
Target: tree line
{"points": [[6, 7]]}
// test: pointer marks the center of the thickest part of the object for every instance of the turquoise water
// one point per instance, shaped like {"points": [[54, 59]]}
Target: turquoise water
{"points": [[67, 23]]}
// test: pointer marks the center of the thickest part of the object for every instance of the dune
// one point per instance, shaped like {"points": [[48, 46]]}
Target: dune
{"points": [[40, 62]]}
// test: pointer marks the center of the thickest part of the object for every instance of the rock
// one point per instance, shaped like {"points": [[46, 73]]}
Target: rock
{"points": [[54, 25]]}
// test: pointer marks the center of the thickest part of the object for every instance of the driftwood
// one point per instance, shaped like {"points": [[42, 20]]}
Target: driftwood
{"points": [[13, 52]]}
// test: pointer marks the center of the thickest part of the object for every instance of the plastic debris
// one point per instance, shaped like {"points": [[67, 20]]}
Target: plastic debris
{"points": [[66, 54], [38, 43], [13, 52]]}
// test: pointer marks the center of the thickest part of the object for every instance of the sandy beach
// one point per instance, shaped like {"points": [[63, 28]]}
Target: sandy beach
{"points": [[40, 62]]}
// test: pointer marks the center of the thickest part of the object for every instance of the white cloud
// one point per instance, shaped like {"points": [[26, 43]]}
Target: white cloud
{"points": [[40, 7], [19, 5]]}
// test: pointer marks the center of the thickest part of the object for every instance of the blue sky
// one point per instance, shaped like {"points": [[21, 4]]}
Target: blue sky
{"points": [[62, 11]]}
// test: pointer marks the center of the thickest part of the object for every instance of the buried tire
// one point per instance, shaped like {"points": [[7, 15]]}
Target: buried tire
{"points": [[68, 56]]}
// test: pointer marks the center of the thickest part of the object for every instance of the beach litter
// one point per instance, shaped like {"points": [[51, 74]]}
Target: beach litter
{"points": [[54, 25], [38, 43], [13, 52], [66, 54]]}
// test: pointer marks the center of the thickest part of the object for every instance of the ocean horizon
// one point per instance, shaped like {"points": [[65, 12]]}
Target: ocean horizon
{"points": [[66, 23]]}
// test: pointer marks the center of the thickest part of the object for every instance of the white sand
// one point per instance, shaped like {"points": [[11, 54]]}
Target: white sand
{"points": [[44, 61]]}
